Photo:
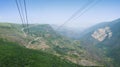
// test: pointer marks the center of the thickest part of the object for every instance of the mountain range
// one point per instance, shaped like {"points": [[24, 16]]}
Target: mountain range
{"points": [[98, 45]]}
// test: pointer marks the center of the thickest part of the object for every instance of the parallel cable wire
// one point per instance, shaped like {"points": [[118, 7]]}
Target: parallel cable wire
{"points": [[76, 13], [89, 7], [20, 14], [26, 15]]}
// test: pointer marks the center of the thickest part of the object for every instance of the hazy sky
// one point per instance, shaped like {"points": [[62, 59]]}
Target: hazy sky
{"points": [[58, 11]]}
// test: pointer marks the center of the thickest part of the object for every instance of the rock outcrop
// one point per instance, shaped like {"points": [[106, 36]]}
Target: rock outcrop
{"points": [[102, 33]]}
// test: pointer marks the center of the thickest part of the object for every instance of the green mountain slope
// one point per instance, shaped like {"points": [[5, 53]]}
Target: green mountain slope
{"points": [[13, 55]]}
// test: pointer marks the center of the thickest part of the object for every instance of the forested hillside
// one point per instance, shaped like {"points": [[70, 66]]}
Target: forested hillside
{"points": [[14, 55]]}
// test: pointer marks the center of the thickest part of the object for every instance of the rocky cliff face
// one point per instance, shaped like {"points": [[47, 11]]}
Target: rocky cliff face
{"points": [[102, 33]]}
